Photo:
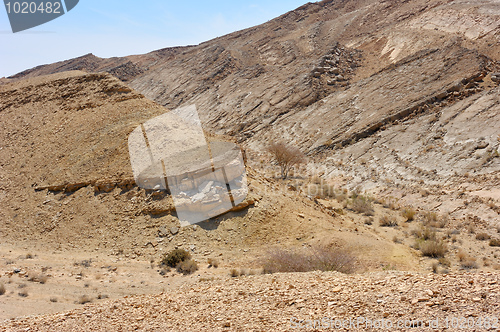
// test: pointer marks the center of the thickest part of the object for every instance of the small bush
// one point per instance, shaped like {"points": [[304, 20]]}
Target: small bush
{"points": [[425, 233], [187, 266], [482, 236], [494, 243], [84, 299], [369, 221], [53, 299], [444, 262], [23, 293], [435, 266], [175, 257], [41, 278], [387, 221], [462, 255], [362, 204], [430, 217], [409, 214], [213, 262], [234, 273], [322, 259], [2, 289], [432, 248], [469, 263]]}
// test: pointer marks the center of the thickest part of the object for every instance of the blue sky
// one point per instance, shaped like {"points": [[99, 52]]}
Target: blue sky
{"points": [[123, 27]]}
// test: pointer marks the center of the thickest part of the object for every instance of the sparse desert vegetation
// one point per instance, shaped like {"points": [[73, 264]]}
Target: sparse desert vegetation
{"points": [[362, 204], [84, 299], [176, 256], [181, 260], [319, 258], [286, 157], [187, 266], [409, 214], [495, 243], [387, 221]]}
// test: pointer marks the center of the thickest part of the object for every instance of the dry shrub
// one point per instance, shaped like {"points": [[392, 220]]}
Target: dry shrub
{"points": [[234, 273], [320, 258], [424, 234], [362, 204], [387, 221], [482, 236], [432, 248], [84, 299], [23, 293], [494, 243], [462, 255], [187, 266], [285, 156], [469, 263], [430, 217], [444, 262], [409, 214], [53, 299], [213, 262], [2, 289], [174, 257], [41, 278]]}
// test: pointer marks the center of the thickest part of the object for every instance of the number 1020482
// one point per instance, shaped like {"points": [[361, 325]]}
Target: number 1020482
{"points": [[24, 7]]}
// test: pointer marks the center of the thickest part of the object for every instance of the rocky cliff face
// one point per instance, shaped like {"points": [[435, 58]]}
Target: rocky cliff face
{"points": [[247, 82], [333, 77]]}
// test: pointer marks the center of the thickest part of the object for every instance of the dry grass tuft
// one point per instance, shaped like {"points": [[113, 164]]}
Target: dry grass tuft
{"points": [[187, 266], [41, 278], [469, 264], [362, 204], [433, 248], [212, 262], [234, 273], [320, 258], [409, 214], [482, 236], [2, 289], [387, 221], [84, 299]]}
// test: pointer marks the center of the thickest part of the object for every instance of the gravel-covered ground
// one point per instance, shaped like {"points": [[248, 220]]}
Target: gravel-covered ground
{"points": [[295, 301]]}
